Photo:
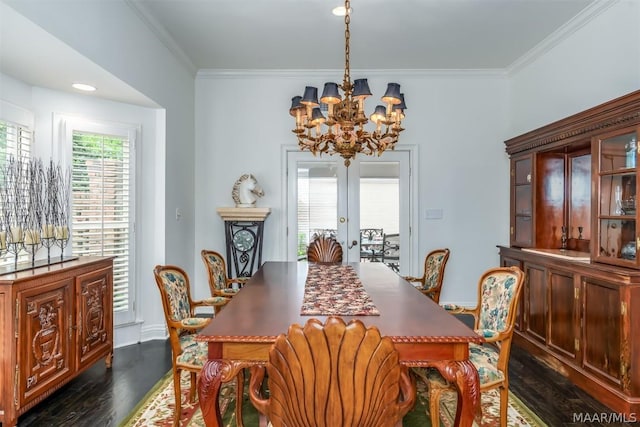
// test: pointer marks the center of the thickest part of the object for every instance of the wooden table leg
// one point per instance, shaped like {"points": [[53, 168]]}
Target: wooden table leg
{"points": [[464, 375], [209, 391]]}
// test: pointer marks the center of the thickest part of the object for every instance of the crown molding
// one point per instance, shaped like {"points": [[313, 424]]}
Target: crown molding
{"points": [[580, 20], [165, 38], [205, 74]]}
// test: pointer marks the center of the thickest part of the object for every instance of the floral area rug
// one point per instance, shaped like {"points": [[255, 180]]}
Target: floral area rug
{"points": [[156, 409]]}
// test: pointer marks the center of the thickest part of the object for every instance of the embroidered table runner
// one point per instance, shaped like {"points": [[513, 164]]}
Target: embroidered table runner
{"points": [[335, 289]]}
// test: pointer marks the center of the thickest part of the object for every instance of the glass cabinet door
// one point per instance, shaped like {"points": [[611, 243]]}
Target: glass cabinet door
{"points": [[616, 220], [522, 201]]}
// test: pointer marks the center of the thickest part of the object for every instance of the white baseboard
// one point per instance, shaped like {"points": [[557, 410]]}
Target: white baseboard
{"points": [[137, 332]]}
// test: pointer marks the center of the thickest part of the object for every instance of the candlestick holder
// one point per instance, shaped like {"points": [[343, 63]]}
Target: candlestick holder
{"points": [[62, 239], [32, 247], [15, 248], [48, 242]]}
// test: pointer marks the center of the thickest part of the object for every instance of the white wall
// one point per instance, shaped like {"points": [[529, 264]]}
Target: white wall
{"points": [[112, 35], [598, 62], [45, 104], [456, 119]]}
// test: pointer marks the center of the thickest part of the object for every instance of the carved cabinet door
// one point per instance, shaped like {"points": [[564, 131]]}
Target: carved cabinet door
{"points": [[95, 317], [603, 333], [45, 356]]}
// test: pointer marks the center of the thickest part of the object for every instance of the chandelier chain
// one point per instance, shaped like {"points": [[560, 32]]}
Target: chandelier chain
{"points": [[347, 36]]}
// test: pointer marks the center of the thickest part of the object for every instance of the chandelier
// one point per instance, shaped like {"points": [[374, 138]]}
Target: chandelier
{"points": [[342, 131]]}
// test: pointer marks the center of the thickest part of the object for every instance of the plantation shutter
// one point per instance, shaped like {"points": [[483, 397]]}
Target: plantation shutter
{"points": [[15, 143], [101, 211], [15, 140]]}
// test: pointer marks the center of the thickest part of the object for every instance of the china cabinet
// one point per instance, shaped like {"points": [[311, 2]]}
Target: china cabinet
{"points": [[573, 232], [56, 322]]}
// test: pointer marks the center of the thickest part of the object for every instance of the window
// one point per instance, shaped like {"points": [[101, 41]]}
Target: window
{"points": [[15, 144], [102, 208]]}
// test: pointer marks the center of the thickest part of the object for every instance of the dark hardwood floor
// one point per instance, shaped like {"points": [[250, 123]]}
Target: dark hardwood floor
{"points": [[102, 397]]}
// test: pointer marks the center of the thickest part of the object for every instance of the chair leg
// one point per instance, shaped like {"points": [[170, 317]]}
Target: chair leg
{"points": [[178, 397], [192, 391], [504, 405], [434, 405], [239, 397]]}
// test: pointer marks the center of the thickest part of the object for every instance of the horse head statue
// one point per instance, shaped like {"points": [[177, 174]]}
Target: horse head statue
{"points": [[246, 191]]}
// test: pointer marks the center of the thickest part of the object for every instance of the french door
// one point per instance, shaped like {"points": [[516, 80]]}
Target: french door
{"points": [[365, 206]]}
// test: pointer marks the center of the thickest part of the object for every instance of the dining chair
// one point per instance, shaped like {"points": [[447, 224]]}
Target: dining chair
{"points": [[324, 250], [390, 254], [495, 314], [183, 325], [333, 374], [430, 283], [371, 240], [219, 283]]}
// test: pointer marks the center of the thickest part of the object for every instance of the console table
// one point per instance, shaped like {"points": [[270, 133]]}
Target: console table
{"points": [[243, 230], [56, 322]]}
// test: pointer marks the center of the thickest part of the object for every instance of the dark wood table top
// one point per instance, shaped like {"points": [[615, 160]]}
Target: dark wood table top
{"points": [[272, 298]]}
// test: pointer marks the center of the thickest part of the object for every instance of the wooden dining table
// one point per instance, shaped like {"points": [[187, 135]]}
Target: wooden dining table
{"points": [[425, 335]]}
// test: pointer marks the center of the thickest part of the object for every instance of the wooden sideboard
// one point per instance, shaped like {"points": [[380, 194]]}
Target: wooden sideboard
{"points": [[575, 231], [55, 322], [582, 318]]}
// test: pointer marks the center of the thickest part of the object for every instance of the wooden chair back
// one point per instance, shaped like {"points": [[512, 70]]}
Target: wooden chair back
{"points": [[333, 374], [498, 291], [324, 249], [433, 273]]}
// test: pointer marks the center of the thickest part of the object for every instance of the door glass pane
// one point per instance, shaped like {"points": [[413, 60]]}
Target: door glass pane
{"points": [[380, 213], [317, 211]]}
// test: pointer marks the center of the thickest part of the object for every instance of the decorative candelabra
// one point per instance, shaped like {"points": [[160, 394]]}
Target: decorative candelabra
{"points": [[34, 212]]}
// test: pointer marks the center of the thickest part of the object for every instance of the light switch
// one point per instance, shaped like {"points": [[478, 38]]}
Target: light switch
{"points": [[178, 214], [433, 214]]}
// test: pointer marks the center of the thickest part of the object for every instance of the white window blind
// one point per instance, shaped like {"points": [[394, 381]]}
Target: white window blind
{"points": [[101, 211], [15, 143]]}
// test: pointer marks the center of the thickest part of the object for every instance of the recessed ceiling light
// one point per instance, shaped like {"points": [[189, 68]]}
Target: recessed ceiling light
{"points": [[84, 87], [340, 11]]}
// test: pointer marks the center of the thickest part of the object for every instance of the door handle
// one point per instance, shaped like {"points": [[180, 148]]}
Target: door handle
{"points": [[342, 220], [354, 243]]}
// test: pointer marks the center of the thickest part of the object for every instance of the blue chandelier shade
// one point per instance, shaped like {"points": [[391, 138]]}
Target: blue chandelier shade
{"points": [[330, 94], [361, 88], [310, 96]]}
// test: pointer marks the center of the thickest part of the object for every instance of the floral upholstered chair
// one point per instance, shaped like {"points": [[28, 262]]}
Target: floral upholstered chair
{"points": [[182, 324], [219, 283], [333, 374], [430, 283], [498, 292]]}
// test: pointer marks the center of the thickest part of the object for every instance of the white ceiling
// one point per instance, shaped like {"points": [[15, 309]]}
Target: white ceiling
{"points": [[385, 34], [303, 34]]}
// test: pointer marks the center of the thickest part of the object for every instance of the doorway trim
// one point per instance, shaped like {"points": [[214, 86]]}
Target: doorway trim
{"points": [[414, 202]]}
